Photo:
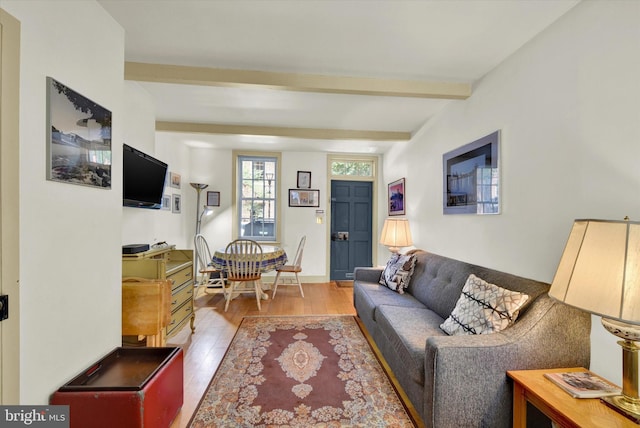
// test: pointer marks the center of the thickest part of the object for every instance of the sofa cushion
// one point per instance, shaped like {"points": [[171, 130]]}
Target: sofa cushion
{"points": [[483, 308], [437, 281], [369, 295], [397, 274], [406, 330]]}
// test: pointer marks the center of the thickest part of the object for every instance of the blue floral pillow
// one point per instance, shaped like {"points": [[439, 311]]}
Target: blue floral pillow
{"points": [[397, 274]]}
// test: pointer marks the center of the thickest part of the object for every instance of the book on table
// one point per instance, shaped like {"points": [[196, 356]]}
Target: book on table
{"points": [[583, 384]]}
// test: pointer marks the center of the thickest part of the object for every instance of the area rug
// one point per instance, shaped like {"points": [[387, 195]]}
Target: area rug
{"points": [[300, 371]]}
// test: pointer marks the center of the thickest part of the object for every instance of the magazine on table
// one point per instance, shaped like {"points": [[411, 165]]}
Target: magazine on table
{"points": [[583, 384]]}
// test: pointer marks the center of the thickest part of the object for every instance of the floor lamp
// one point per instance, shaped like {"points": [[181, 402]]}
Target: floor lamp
{"points": [[205, 211], [599, 272]]}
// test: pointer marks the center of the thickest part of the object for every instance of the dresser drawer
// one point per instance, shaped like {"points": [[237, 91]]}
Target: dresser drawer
{"points": [[182, 294], [180, 277], [179, 317]]}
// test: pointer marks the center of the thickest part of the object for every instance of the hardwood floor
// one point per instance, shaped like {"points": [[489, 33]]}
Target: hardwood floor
{"points": [[215, 328]]}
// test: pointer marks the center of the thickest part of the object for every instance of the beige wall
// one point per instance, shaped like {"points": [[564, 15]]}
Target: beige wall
{"points": [[568, 105], [69, 256]]}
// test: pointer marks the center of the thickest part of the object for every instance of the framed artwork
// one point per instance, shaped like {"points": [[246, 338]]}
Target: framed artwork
{"points": [[304, 180], [471, 179], [213, 199], [166, 202], [175, 204], [396, 197], [304, 198], [79, 138], [174, 180]]}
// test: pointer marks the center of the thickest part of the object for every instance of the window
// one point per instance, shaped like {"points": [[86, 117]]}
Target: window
{"points": [[257, 195], [352, 168]]}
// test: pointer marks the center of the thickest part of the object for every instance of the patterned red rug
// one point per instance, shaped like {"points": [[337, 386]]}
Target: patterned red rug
{"points": [[307, 371]]}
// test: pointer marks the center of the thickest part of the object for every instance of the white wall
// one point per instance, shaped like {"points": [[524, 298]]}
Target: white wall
{"points": [[568, 105], [215, 168], [148, 226], [69, 254]]}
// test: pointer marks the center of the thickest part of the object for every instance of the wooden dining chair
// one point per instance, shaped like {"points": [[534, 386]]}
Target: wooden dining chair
{"points": [[294, 268], [210, 279], [243, 258]]}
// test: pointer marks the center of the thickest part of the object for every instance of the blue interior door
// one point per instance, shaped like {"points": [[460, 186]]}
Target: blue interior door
{"points": [[351, 203]]}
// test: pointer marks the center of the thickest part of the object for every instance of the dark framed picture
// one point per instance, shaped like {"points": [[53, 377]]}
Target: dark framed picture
{"points": [[471, 178], [79, 138], [304, 180], [396, 197], [175, 204], [304, 198], [213, 199]]}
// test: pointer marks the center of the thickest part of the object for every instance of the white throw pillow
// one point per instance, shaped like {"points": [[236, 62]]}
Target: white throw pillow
{"points": [[483, 308], [397, 274]]}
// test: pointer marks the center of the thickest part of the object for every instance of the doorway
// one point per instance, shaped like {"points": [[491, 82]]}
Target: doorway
{"points": [[351, 227]]}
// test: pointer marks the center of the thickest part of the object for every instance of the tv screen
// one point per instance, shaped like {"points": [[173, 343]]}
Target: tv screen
{"points": [[143, 179]]}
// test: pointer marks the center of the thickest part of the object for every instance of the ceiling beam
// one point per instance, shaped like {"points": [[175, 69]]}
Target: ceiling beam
{"points": [[303, 133], [187, 75]]}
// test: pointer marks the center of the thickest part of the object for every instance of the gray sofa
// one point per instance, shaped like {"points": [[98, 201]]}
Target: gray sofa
{"points": [[461, 381]]}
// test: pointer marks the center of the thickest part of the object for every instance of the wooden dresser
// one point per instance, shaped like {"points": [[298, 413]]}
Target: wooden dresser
{"points": [[174, 265]]}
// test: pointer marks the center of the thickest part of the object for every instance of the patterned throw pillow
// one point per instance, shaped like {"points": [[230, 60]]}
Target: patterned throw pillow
{"points": [[397, 273], [483, 308]]}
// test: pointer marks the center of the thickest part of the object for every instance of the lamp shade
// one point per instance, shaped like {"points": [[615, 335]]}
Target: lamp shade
{"points": [[396, 233], [599, 271]]}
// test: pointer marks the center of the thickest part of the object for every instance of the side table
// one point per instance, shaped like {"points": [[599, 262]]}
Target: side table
{"points": [[531, 386]]}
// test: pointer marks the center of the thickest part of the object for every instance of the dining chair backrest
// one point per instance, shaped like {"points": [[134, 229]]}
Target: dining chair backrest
{"points": [[202, 251], [243, 257], [298, 259]]}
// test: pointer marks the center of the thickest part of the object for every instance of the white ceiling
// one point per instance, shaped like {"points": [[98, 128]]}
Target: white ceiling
{"points": [[456, 41]]}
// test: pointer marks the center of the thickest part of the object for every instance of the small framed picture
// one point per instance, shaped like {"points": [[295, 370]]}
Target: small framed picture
{"points": [[213, 199], [174, 180], [396, 197], [304, 180], [304, 198], [175, 205], [166, 202]]}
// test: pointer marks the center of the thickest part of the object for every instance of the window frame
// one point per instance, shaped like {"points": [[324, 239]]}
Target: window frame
{"points": [[237, 199]]}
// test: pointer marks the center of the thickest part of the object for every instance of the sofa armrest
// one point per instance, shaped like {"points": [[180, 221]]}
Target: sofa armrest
{"points": [[367, 274], [468, 373]]}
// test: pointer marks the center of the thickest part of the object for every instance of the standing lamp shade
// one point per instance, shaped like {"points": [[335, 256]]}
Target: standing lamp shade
{"points": [[396, 234], [599, 272]]}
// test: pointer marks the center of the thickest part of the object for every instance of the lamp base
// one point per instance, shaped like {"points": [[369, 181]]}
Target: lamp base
{"points": [[623, 405], [628, 403]]}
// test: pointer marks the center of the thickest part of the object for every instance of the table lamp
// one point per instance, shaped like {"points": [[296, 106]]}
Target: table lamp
{"points": [[599, 272], [396, 234]]}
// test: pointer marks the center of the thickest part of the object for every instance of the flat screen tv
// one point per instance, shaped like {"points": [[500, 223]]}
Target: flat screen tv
{"points": [[143, 179]]}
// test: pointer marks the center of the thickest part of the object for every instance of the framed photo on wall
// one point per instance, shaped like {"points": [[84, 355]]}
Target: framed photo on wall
{"points": [[396, 197], [471, 178], [304, 180], [166, 202], [213, 199], [79, 138], [174, 180], [175, 204], [304, 198]]}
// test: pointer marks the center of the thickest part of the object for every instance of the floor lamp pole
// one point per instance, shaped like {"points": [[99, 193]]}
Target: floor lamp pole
{"points": [[198, 187]]}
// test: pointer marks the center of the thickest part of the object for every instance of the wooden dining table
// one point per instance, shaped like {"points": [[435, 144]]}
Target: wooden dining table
{"points": [[272, 257]]}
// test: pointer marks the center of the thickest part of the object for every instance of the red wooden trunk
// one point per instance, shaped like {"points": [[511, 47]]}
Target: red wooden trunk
{"points": [[128, 388]]}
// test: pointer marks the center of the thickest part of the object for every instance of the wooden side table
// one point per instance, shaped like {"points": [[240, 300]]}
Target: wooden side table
{"points": [[562, 408]]}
